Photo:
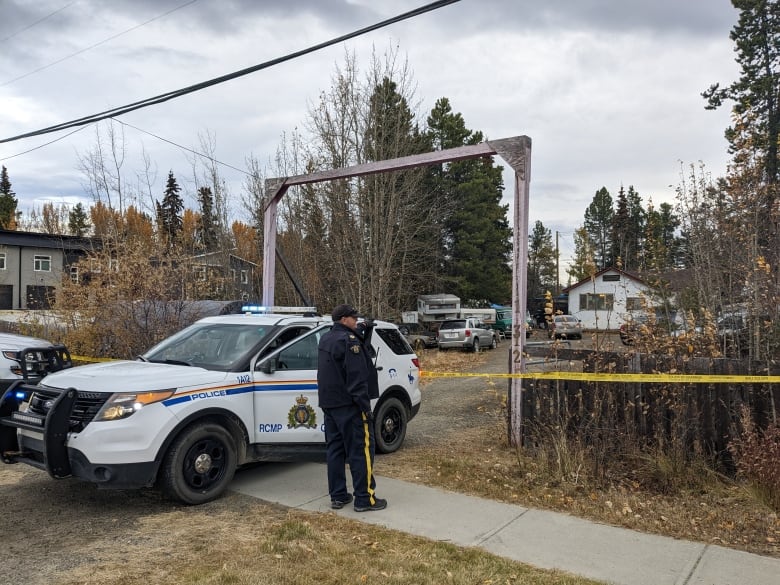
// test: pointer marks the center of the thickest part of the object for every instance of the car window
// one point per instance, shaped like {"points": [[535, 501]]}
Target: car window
{"points": [[301, 354], [394, 340], [214, 346], [453, 325]]}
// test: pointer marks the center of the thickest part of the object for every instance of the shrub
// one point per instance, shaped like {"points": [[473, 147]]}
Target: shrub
{"points": [[757, 458]]}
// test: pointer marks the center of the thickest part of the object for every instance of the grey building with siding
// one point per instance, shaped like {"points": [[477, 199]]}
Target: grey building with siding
{"points": [[32, 266]]}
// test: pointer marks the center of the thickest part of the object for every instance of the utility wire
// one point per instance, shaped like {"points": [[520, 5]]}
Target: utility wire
{"points": [[40, 20], [44, 144], [85, 49], [197, 87], [224, 164]]}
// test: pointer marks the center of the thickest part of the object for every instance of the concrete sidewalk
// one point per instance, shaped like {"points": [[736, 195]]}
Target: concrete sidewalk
{"points": [[544, 539]]}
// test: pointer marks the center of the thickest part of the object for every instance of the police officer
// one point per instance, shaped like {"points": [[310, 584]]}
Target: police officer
{"points": [[346, 382]]}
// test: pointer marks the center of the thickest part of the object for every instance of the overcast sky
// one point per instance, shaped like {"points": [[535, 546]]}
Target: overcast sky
{"points": [[608, 90]]}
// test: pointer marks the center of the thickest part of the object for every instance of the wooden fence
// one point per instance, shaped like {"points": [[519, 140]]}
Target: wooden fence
{"points": [[695, 417]]}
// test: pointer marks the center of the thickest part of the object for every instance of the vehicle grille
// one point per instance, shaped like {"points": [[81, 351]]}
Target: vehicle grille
{"points": [[84, 410]]}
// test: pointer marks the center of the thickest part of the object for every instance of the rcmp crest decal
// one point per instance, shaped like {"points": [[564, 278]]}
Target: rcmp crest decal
{"points": [[302, 415]]}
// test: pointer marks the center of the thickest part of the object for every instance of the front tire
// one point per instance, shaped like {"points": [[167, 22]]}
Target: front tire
{"points": [[494, 343], [199, 465], [390, 423]]}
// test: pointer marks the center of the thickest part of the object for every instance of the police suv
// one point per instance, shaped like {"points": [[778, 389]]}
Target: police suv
{"points": [[225, 391]]}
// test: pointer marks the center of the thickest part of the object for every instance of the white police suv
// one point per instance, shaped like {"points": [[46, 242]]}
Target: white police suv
{"points": [[29, 359], [223, 392]]}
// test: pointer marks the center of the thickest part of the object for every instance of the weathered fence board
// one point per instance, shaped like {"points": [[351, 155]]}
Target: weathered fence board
{"points": [[698, 418]]}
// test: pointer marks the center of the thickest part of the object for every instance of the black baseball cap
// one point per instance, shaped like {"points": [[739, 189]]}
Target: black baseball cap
{"points": [[341, 311]]}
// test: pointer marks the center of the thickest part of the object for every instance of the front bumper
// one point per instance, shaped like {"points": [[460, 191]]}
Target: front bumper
{"points": [[41, 441]]}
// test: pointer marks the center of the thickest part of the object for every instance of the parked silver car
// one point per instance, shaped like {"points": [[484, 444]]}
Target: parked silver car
{"points": [[469, 334], [566, 327]]}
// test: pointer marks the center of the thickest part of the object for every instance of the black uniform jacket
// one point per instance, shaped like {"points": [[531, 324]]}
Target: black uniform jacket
{"points": [[345, 371]]}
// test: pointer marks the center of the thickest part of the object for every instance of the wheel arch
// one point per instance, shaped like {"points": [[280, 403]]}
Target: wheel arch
{"points": [[225, 418], [396, 392]]}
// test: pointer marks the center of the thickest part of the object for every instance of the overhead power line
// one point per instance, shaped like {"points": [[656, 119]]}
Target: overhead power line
{"points": [[85, 49], [201, 154], [40, 20], [112, 113]]}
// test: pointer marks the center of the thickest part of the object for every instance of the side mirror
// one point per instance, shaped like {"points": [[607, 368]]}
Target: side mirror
{"points": [[267, 366]]}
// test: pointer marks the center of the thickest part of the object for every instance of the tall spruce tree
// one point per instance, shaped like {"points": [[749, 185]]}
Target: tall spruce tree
{"points": [[8, 202], [598, 224], [754, 137], [756, 95], [208, 223], [542, 261], [78, 221], [636, 227], [170, 211], [476, 235], [627, 228]]}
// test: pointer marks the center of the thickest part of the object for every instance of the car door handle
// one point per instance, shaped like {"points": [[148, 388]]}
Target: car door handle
{"points": [[379, 368]]}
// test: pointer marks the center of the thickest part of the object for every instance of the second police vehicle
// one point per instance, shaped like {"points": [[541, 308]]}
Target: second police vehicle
{"points": [[223, 392]]}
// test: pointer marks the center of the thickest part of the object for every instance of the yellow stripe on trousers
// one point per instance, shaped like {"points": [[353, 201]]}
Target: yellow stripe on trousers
{"points": [[367, 451]]}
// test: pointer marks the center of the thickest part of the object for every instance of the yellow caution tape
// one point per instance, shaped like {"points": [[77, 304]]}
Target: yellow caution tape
{"points": [[592, 377], [81, 358], [607, 377]]}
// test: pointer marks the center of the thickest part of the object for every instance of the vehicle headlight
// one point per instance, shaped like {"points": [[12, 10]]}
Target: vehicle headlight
{"points": [[123, 404]]}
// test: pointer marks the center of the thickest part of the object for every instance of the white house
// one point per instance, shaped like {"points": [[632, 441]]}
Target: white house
{"points": [[602, 301]]}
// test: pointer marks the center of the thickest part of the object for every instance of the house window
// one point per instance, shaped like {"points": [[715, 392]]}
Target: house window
{"points": [[633, 303], [233, 274], [74, 273], [611, 278], [596, 302], [42, 263], [200, 273], [2, 261], [244, 277]]}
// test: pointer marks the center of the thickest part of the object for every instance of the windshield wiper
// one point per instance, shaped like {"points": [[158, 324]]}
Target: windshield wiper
{"points": [[172, 362]]}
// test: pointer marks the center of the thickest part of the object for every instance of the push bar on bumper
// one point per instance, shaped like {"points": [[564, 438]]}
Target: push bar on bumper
{"points": [[54, 426]]}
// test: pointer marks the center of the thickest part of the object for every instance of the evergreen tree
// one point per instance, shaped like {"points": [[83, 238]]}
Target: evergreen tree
{"points": [[635, 229], [598, 224], [208, 223], [390, 204], [620, 229], [8, 202], [169, 212], [446, 129], [78, 221], [628, 229], [756, 95], [754, 137], [668, 223], [541, 261], [476, 236]]}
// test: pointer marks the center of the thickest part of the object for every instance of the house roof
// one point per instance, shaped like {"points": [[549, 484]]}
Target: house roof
{"points": [[41, 240], [632, 275], [220, 255]]}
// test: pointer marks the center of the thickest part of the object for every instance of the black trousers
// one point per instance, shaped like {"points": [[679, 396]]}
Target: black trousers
{"points": [[350, 439]]}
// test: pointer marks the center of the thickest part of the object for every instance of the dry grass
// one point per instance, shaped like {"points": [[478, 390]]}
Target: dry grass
{"points": [[72, 534], [649, 493], [249, 543]]}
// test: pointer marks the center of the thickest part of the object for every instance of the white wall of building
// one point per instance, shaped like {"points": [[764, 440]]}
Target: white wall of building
{"points": [[625, 293]]}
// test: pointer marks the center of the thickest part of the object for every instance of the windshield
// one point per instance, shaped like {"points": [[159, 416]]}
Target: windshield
{"points": [[453, 325], [214, 346]]}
